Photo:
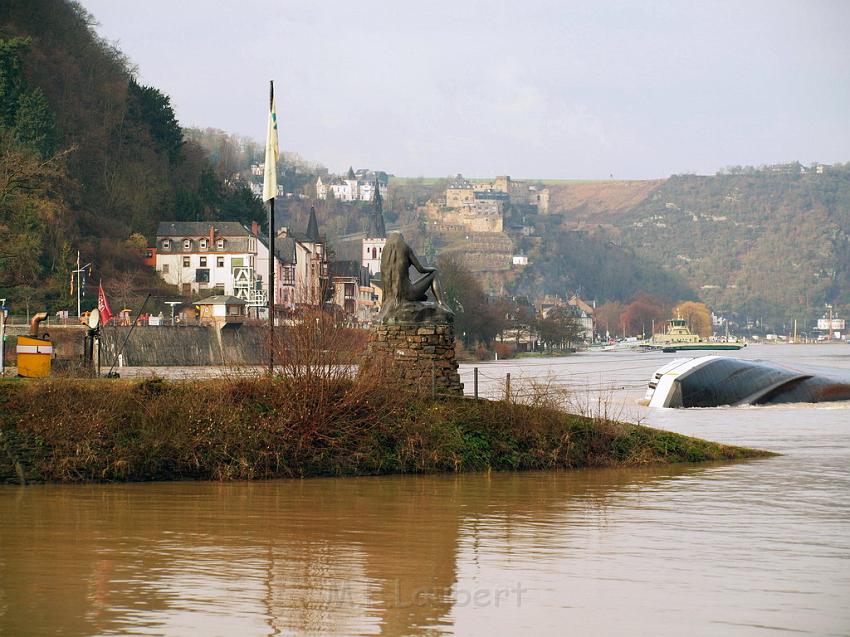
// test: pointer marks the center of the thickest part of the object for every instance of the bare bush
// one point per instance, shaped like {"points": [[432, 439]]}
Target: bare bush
{"points": [[544, 391]]}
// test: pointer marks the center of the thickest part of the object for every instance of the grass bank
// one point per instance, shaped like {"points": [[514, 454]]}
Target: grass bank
{"points": [[67, 430]]}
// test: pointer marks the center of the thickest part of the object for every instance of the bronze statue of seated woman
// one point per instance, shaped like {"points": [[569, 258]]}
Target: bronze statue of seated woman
{"points": [[406, 300]]}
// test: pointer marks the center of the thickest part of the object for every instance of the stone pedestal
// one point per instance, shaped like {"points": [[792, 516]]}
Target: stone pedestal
{"points": [[420, 355]]}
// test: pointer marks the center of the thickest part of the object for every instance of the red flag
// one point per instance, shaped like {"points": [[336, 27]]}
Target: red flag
{"points": [[103, 305]]}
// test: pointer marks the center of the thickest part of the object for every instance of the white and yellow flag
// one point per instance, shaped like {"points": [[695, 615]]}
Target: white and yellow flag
{"points": [[272, 154]]}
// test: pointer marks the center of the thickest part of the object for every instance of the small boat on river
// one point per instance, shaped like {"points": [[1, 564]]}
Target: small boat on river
{"points": [[679, 338]]}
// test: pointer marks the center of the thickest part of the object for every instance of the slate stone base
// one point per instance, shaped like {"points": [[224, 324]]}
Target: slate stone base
{"points": [[419, 356]]}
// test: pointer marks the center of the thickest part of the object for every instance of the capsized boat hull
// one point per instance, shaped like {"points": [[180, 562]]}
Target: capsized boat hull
{"points": [[714, 381]]}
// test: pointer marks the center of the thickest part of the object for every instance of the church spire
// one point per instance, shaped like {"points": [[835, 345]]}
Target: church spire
{"points": [[312, 233], [377, 199], [377, 229]]}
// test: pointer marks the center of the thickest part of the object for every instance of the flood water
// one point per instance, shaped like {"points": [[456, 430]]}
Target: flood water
{"points": [[748, 548]]}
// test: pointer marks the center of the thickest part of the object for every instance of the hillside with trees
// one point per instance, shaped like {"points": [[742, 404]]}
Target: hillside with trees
{"points": [[90, 159], [767, 244], [563, 261]]}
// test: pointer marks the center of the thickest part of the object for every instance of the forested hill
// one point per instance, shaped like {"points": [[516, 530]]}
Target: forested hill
{"points": [[89, 158], [760, 243]]}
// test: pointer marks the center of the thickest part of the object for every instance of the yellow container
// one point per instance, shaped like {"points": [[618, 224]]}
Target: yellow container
{"points": [[34, 357]]}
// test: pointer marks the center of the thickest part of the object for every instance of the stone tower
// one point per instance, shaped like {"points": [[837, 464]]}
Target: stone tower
{"points": [[376, 235]]}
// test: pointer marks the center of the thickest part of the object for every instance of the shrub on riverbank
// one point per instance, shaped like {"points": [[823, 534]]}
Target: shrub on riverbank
{"points": [[99, 430]]}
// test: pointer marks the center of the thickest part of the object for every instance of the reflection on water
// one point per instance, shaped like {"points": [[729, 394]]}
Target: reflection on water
{"points": [[355, 556], [744, 548], [597, 551]]}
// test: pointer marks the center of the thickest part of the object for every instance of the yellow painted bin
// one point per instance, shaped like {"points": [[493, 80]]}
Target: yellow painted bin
{"points": [[34, 357]]}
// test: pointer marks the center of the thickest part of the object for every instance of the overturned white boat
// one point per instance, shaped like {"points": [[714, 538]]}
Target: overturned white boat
{"points": [[712, 381]]}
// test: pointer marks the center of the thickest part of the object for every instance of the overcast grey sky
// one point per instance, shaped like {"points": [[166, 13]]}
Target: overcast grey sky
{"points": [[530, 88]]}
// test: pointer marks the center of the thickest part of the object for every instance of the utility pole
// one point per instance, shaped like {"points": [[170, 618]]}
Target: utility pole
{"points": [[2, 336], [830, 322]]}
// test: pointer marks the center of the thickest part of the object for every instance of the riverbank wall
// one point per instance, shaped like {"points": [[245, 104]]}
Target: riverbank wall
{"points": [[191, 345], [72, 430], [160, 345]]}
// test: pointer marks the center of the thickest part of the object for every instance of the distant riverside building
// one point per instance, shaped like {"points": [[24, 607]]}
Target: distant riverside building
{"points": [[220, 310], [462, 193], [541, 199], [584, 314], [352, 292], [227, 259], [202, 256], [355, 186], [479, 207], [227, 263], [257, 189], [301, 265], [459, 193], [576, 308]]}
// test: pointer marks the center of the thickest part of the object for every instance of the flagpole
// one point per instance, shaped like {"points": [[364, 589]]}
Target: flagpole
{"points": [[78, 284], [271, 255]]}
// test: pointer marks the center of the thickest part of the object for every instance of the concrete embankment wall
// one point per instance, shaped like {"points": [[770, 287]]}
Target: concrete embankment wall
{"points": [[185, 345]]}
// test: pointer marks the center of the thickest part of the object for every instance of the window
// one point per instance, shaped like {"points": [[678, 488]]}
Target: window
{"points": [[166, 244], [204, 244], [203, 262], [374, 253], [187, 261], [202, 275], [165, 268], [219, 262], [219, 245], [187, 244]]}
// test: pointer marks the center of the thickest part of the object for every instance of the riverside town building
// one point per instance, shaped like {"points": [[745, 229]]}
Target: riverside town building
{"points": [[227, 259]]}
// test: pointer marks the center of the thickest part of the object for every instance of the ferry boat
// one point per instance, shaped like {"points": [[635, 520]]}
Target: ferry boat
{"points": [[679, 338]]}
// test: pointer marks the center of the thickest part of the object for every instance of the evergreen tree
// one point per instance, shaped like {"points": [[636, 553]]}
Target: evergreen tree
{"points": [[151, 109], [34, 124]]}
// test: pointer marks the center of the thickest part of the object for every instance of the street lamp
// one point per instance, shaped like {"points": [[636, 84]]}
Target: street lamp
{"points": [[79, 272], [173, 304]]}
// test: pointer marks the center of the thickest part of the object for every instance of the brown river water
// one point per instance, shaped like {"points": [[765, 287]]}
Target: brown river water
{"points": [[754, 548]]}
